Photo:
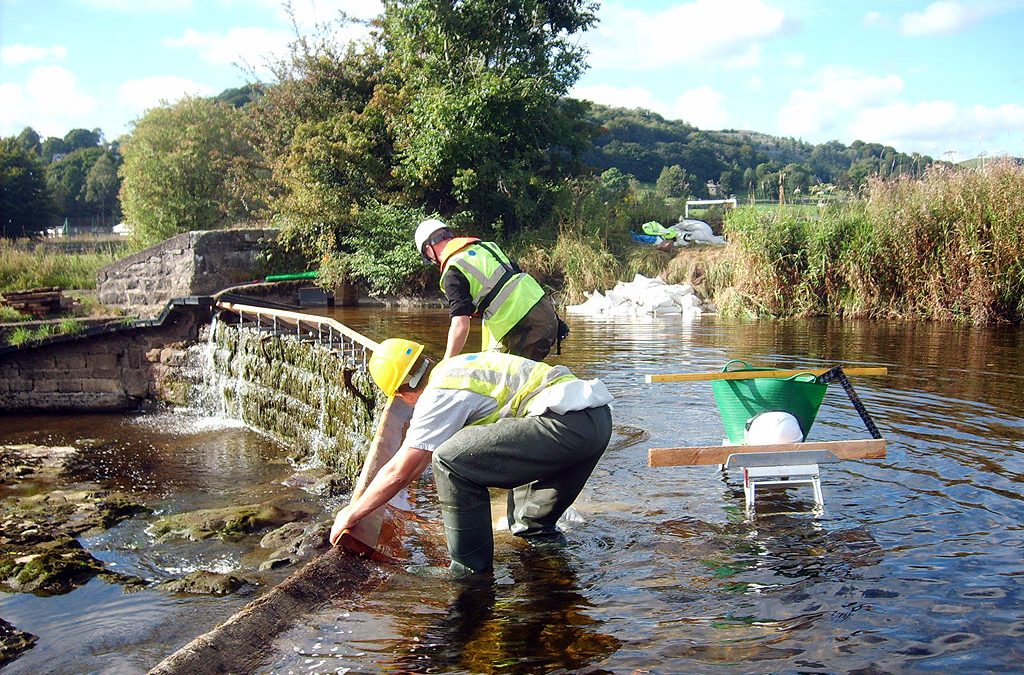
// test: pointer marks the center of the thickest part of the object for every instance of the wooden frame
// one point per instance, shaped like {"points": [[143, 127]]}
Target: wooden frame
{"points": [[757, 374], [873, 448]]}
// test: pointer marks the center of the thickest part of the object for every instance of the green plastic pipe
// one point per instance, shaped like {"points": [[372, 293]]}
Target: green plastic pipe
{"points": [[293, 276]]}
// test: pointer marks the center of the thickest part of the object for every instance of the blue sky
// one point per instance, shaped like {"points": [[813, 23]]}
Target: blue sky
{"points": [[943, 78]]}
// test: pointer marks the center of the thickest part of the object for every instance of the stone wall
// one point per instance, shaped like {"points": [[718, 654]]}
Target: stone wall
{"points": [[114, 369], [299, 392], [192, 263]]}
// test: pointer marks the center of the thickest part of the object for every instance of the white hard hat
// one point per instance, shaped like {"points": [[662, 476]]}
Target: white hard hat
{"points": [[424, 231], [770, 428]]}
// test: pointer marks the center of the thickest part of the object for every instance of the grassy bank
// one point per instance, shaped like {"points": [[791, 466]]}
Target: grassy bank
{"points": [[948, 247], [25, 264]]}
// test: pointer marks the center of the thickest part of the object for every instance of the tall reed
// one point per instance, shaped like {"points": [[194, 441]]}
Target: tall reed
{"points": [[946, 247]]}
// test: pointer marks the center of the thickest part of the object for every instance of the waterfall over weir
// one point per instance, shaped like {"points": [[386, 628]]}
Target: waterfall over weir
{"points": [[295, 377]]}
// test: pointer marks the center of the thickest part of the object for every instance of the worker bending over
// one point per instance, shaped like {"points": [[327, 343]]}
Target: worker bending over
{"points": [[489, 420], [477, 278]]}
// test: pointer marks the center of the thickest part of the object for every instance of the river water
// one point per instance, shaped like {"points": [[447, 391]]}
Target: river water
{"points": [[916, 563]]}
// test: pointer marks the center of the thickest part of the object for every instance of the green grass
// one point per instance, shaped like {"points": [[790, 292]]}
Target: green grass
{"points": [[11, 315], [23, 335], [25, 265]]}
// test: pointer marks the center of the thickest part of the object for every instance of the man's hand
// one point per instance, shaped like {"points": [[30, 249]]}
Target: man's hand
{"points": [[342, 522]]}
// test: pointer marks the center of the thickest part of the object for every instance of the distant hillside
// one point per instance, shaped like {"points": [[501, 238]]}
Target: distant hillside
{"points": [[643, 143], [979, 162]]}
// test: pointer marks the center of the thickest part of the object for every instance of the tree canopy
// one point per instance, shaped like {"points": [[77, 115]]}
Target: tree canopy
{"points": [[25, 205], [185, 168]]}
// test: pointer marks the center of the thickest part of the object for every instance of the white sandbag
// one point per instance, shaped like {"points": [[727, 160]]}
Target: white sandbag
{"points": [[690, 301]]}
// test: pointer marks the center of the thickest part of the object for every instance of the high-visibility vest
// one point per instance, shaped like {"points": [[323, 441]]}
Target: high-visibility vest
{"points": [[501, 293], [512, 381]]}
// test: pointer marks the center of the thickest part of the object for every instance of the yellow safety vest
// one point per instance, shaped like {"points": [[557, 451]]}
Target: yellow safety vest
{"points": [[502, 295], [510, 380]]}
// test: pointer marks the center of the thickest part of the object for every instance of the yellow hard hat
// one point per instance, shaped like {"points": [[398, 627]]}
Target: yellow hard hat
{"points": [[392, 362]]}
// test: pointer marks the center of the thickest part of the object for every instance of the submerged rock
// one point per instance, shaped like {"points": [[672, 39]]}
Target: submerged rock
{"points": [[38, 461], [13, 642], [319, 481], [231, 522], [49, 568], [202, 582], [295, 542], [38, 549]]}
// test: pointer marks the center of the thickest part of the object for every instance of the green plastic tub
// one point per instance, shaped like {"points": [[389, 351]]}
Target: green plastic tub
{"points": [[739, 400]]}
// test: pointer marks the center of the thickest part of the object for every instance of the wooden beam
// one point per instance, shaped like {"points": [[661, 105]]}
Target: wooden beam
{"points": [[872, 448], [754, 374]]}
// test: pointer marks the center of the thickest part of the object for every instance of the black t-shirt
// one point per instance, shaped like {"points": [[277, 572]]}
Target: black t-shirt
{"points": [[456, 288]]}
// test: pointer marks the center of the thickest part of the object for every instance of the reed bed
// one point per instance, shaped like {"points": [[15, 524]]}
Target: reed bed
{"points": [[945, 247]]}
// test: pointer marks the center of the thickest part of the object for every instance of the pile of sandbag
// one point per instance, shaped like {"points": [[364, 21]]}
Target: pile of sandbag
{"points": [[693, 231], [684, 233], [641, 297]]}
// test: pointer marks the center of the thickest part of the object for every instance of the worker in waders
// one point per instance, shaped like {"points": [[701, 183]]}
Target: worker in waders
{"points": [[478, 279], [489, 420]]}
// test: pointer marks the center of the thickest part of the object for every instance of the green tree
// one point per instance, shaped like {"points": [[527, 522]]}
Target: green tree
{"points": [[102, 186], [673, 182], [25, 204], [77, 139], [30, 142], [484, 129], [185, 168], [52, 147], [66, 179], [615, 184], [727, 183]]}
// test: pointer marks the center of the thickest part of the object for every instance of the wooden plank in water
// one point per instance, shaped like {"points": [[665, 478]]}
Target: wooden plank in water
{"points": [[873, 448], [240, 644], [754, 374]]}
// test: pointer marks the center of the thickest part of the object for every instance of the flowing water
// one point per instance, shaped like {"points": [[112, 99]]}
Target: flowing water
{"points": [[916, 563]]}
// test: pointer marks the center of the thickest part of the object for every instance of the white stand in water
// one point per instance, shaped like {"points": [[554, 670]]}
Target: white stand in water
{"points": [[779, 469]]}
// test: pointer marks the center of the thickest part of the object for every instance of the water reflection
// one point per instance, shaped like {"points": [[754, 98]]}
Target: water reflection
{"points": [[916, 563]]}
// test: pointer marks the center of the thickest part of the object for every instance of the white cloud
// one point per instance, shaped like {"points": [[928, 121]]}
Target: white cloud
{"points": [[747, 60], [703, 106], [936, 127], [634, 39], [811, 112], [755, 83], [137, 96], [248, 46], [311, 12], [795, 60], [15, 55], [139, 6], [945, 16], [874, 19], [49, 101]]}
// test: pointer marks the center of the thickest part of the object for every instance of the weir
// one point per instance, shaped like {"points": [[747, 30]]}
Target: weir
{"points": [[238, 644], [299, 377]]}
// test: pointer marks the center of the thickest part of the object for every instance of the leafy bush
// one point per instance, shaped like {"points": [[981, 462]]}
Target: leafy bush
{"points": [[376, 248]]}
